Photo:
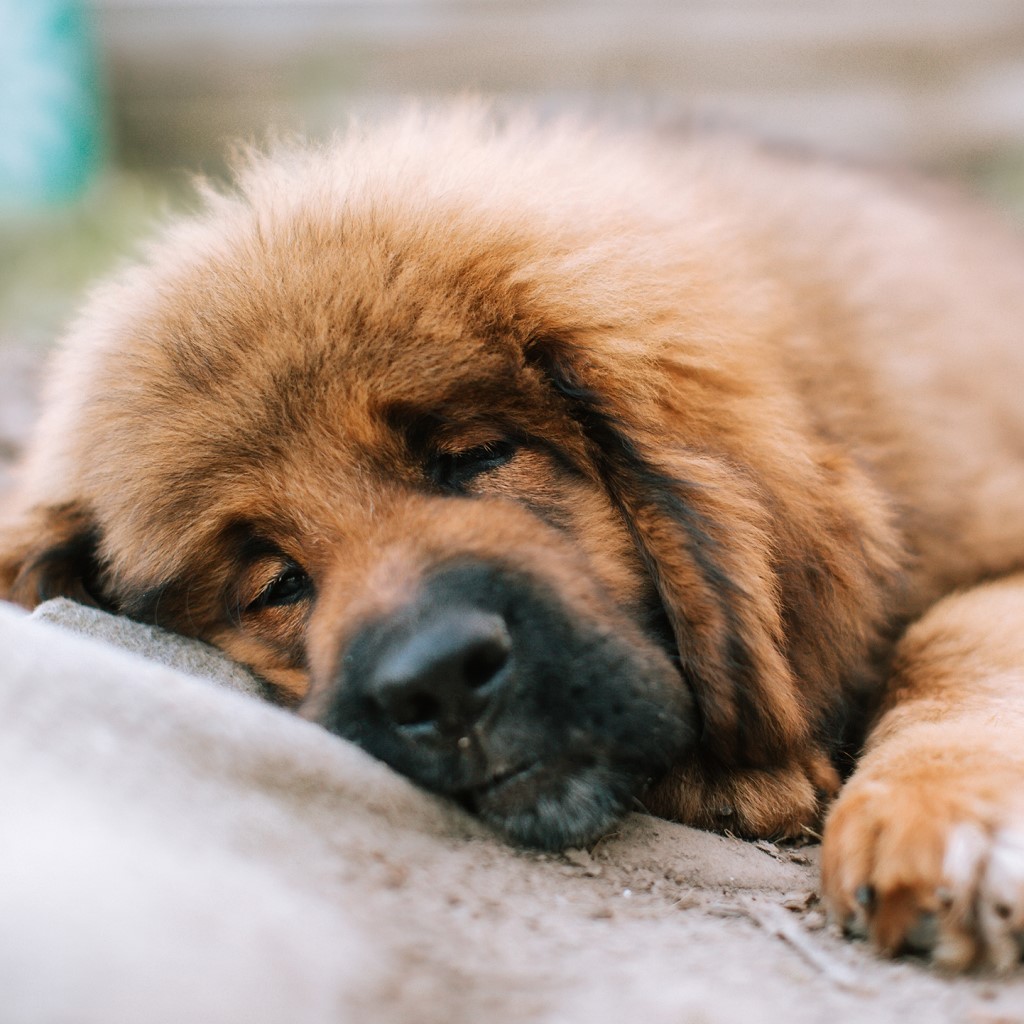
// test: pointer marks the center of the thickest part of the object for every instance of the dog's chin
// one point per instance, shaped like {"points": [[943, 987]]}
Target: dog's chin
{"points": [[552, 809]]}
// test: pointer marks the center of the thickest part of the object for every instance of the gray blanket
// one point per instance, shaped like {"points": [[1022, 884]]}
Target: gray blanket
{"points": [[174, 849]]}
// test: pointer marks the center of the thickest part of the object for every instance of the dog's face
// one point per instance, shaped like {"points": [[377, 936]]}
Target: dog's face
{"points": [[394, 518], [466, 473]]}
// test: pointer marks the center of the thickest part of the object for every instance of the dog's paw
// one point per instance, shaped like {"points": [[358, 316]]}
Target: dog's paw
{"points": [[924, 854]]}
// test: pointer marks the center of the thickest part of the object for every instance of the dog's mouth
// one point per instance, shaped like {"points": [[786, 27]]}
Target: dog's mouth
{"points": [[552, 807], [510, 787]]}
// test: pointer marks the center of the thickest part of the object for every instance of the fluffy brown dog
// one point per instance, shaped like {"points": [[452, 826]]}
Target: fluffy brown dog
{"points": [[557, 470]]}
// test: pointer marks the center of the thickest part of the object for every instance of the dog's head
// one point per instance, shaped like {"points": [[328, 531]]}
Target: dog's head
{"points": [[459, 440]]}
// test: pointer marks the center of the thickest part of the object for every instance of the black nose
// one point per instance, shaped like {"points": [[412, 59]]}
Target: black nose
{"points": [[443, 675]]}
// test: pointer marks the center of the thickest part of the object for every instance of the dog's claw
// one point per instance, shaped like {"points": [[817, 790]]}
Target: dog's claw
{"points": [[923, 935], [865, 897]]}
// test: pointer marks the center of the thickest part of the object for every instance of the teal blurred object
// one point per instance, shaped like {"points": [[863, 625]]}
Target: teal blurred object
{"points": [[51, 122]]}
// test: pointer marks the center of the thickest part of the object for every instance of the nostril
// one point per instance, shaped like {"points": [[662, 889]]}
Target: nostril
{"points": [[412, 709], [484, 661]]}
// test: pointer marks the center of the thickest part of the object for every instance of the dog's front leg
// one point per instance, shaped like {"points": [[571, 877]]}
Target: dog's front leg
{"points": [[924, 850]]}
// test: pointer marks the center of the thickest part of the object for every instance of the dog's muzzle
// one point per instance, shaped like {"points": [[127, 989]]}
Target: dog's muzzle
{"points": [[488, 688]]}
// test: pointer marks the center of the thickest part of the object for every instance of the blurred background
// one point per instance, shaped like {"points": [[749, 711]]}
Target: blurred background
{"points": [[107, 107]]}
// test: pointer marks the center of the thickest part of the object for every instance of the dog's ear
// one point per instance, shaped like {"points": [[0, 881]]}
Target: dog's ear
{"points": [[771, 608], [51, 552]]}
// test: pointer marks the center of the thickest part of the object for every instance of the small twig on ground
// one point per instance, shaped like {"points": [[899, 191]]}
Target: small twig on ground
{"points": [[770, 848], [776, 921]]}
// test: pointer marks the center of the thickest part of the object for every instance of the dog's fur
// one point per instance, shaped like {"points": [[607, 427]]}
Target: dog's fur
{"points": [[561, 470]]}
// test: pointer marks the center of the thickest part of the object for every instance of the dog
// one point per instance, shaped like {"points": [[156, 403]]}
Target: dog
{"points": [[569, 471]]}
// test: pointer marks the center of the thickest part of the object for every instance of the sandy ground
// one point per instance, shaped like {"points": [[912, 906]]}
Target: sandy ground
{"points": [[655, 923], [293, 879]]}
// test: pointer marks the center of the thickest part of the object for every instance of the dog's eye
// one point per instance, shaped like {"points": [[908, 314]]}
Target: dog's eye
{"points": [[454, 470], [289, 587]]}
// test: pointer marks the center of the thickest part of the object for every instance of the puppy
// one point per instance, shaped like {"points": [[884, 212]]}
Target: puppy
{"points": [[561, 470]]}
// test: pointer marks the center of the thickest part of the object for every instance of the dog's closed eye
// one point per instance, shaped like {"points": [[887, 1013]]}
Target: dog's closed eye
{"points": [[454, 471], [289, 586]]}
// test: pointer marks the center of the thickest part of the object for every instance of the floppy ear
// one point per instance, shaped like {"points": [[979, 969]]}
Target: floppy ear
{"points": [[51, 552], [773, 611]]}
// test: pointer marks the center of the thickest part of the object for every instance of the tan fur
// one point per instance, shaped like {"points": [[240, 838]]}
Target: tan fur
{"points": [[818, 372]]}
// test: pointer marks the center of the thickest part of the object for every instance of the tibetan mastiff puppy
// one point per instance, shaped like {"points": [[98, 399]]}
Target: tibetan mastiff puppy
{"points": [[562, 471]]}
